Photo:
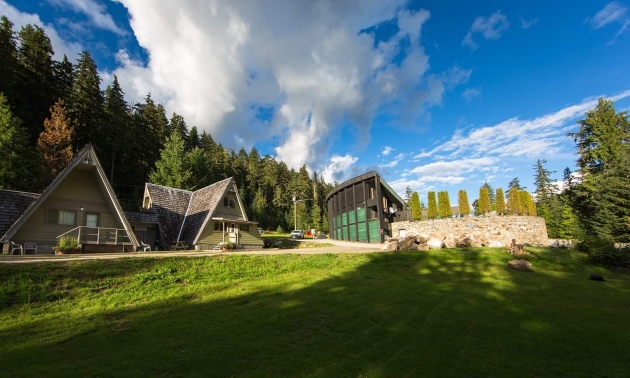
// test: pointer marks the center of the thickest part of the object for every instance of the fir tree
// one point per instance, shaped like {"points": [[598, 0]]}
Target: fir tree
{"points": [[34, 86], [514, 201], [86, 107], [55, 142], [178, 125], [193, 138], [118, 127], [462, 203], [8, 57], [414, 203], [432, 211], [500, 204], [172, 169], [490, 195], [408, 194], [484, 200], [64, 79], [14, 167]]}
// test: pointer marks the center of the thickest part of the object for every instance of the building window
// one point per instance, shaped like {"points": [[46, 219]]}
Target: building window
{"points": [[229, 202], [91, 220], [61, 217], [244, 227], [218, 226]]}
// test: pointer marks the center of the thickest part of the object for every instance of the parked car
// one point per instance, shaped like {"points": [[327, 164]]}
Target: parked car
{"points": [[321, 236], [296, 234], [260, 230]]}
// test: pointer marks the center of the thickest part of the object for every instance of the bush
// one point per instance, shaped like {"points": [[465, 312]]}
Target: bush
{"points": [[603, 251], [279, 230], [67, 244]]}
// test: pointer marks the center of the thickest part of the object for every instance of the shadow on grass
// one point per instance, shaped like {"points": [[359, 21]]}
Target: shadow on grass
{"points": [[404, 314]]}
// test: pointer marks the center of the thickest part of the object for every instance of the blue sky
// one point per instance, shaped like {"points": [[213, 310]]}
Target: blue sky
{"points": [[435, 95]]}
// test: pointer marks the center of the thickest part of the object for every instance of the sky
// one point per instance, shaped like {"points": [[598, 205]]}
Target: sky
{"points": [[434, 95]]}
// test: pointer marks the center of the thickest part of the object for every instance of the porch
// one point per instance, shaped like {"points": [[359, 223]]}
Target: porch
{"points": [[101, 239]]}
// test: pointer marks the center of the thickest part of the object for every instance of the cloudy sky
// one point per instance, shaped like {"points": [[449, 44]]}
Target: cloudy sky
{"points": [[432, 94]]}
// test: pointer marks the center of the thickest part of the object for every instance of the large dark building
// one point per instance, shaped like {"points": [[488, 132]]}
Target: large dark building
{"points": [[362, 209]]}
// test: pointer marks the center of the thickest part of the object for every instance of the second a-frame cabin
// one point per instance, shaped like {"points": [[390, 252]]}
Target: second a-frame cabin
{"points": [[80, 203], [202, 219]]}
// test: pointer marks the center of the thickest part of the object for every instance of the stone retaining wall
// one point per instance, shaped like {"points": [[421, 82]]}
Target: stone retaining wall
{"points": [[483, 230]]}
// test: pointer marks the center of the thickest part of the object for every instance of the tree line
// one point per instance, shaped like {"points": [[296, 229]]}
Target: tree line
{"points": [[50, 109]]}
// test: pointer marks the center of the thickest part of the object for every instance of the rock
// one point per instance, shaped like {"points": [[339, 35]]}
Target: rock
{"points": [[494, 244], [422, 247], [407, 244], [596, 277], [522, 265], [434, 243], [466, 242], [390, 246], [421, 239]]}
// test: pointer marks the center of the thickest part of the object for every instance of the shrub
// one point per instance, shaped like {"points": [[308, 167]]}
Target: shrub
{"points": [[603, 251], [279, 230], [67, 243]]}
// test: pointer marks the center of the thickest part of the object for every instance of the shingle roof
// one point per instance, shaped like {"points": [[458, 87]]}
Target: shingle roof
{"points": [[141, 216], [181, 214], [170, 207], [202, 204], [12, 205]]}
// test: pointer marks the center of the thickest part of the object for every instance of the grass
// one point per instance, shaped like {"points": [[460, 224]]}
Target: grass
{"points": [[441, 313]]}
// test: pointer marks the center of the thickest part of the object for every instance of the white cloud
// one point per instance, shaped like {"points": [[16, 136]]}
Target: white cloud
{"points": [[20, 19], [515, 137], [306, 62], [386, 151], [613, 12], [490, 27], [394, 162], [96, 12], [526, 24], [453, 168], [471, 93], [339, 168]]}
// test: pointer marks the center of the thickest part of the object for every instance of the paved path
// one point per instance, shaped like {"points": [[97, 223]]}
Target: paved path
{"points": [[337, 247]]}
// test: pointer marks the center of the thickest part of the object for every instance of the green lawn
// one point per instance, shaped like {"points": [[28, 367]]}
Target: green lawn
{"points": [[450, 313]]}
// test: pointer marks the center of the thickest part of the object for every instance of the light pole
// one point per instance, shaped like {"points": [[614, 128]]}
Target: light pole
{"points": [[295, 201]]}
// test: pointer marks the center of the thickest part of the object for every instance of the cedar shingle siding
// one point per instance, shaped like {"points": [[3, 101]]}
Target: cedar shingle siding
{"points": [[12, 205], [170, 206]]}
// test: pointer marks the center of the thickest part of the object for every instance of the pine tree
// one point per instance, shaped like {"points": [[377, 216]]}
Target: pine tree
{"points": [[86, 106], [14, 169], [178, 125], [484, 200], [55, 142], [414, 203], [34, 86], [8, 57], [408, 194], [118, 126], [500, 204], [444, 205], [462, 203], [193, 138], [514, 201], [172, 168], [432, 211], [64, 79], [515, 183], [490, 195]]}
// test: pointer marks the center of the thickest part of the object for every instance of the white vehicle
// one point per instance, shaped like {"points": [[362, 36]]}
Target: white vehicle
{"points": [[260, 230], [297, 234]]}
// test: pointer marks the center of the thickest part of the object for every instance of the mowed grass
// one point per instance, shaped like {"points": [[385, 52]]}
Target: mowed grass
{"points": [[448, 313]]}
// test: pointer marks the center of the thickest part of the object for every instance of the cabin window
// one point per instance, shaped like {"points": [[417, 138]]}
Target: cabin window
{"points": [[61, 217], [91, 220], [229, 202], [218, 226], [244, 227]]}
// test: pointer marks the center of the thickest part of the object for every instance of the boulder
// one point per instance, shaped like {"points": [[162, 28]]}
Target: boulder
{"points": [[522, 265], [390, 246], [407, 243], [494, 244], [465, 242], [422, 247], [435, 243], [421, 239]]}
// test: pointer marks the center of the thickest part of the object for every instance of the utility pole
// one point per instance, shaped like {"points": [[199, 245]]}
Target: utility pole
{"points": [[295, 201]]}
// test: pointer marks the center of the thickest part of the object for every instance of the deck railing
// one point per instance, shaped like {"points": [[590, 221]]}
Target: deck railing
{"points": [[99, 235]]}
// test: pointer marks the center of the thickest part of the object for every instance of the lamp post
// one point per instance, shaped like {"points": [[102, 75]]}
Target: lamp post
{"points": [[295, 201]]}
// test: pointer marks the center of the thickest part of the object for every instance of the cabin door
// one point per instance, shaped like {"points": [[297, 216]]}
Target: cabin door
{"points": [[233, 234]]}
